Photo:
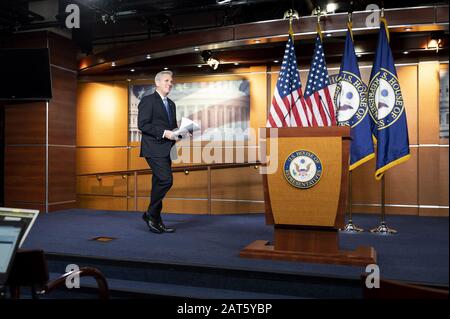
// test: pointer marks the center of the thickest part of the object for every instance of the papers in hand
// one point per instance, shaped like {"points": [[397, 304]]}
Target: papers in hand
{"points": [[186, 127]]}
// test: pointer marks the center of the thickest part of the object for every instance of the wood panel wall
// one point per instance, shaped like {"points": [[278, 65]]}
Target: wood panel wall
{"points": [[102, 146], [39, 168], [417, 187], [433, 157]]}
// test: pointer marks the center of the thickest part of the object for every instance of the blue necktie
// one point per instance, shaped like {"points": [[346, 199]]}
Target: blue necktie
{"points": [[166, 105]]}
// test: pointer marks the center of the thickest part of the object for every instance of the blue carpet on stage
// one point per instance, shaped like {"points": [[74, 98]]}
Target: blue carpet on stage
{"points": [[418, 253]]}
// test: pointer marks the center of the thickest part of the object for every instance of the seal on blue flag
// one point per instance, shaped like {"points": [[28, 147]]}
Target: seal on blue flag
{"points": [[385, 99], [350, 95]]}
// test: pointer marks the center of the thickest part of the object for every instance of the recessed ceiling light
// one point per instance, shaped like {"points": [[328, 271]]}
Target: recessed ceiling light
{"points": [[359, 55], [113, 63], [405, 52], [276, 61], [328, 35], [236, 63], [257, 41], [408, 29], [148, 56], [129, 80], [196, 49], [166, 68], [199, 66], [132, 70]]}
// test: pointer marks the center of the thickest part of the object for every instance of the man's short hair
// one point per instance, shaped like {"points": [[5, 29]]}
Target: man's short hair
{"points": [[160, 74]]}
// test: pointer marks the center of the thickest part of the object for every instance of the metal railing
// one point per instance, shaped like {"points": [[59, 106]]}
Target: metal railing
{"points": [[186, 169]]}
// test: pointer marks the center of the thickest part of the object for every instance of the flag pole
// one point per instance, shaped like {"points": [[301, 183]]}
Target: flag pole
{"points": [[319, 32], [319, 15], [290, 15], [383, 228], [350, 227]]}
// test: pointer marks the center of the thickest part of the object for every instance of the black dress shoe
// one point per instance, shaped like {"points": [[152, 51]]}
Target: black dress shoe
{"points": [[165, 228], [153, 226]]}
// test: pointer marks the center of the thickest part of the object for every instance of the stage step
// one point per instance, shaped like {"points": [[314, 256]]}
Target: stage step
{"points": [[138, 289], [153, 279]]}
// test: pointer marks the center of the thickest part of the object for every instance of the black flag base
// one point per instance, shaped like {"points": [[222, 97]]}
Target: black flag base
{"points": [[351, 228], [383, 229]]}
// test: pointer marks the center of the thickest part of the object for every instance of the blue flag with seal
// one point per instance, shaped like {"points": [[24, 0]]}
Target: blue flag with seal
{"points": [[351, 102], [386, 108]]}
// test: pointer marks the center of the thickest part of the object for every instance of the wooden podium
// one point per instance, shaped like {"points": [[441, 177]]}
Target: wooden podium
{"points": [[305, 199]]}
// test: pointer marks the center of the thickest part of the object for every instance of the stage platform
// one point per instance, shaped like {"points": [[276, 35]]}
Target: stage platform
{"points": [[201, 260]]}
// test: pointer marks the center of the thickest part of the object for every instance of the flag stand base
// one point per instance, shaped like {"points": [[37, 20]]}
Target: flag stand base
{"points": [[383, 229], [351, 228]]}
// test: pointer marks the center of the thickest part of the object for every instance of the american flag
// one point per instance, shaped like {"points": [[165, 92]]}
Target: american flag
{"points": [[288, 107], [317, 94]]}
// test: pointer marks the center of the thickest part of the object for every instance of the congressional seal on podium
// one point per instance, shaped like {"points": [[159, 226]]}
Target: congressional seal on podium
{"points": [[303, 169]]}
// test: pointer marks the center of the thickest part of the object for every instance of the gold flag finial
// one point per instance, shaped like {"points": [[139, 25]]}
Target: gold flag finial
{"points": [[350, 23], [290, 14], [318, 12]]}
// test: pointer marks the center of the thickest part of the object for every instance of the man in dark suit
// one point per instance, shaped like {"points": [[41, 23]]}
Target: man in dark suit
{"points": [[156, 120]]}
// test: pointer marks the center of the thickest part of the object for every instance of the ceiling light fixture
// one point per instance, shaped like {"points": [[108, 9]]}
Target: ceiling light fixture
{"points": [[435, 42], [331, 7], [207, 57], [106, 18], [148, 56]]}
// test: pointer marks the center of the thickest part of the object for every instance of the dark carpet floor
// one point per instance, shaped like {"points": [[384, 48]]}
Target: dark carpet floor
{"points": [[418, 253]]}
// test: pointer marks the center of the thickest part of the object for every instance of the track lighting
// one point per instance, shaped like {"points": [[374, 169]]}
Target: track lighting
{"points": [[207, 57], [435, 42]]}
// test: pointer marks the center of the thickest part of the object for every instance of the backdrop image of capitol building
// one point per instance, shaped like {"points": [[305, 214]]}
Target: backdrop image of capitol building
{"points": [[222, 108]]}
